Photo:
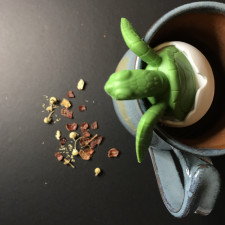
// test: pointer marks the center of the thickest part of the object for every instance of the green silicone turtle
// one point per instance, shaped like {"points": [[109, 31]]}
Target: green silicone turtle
{"points": [[168, 82]]}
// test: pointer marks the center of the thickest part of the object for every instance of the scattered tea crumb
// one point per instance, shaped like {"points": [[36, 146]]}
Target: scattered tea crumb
{"points": [[85, 133], [113, 153], [57, 120], [43, 143], [75, 152], [49, 108], [71, 126], [99, 140], [49, 118], [80, 84], [94, 125], [63, 141], [58, 134], [84, 126], [84, 141], [85, 155], [66, 103], [70, 147], [73, 135], [97, 171], [70, 94], [67, 162], [67, 113], [82, 108], [68, 151], [89, 151], [59, 156], [53, 100]]}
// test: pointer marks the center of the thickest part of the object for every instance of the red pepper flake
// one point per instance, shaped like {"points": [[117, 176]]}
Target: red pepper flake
{"points": [[89, 151], [84, 155], [62, 141], [59, 156], [96, 141], [113, 153], [70, 94], [82, 108], [84, 126], [67, 113], [94, 125], [85, 133], [99, 140], [71, 126], [84, 141], [93, 143]]}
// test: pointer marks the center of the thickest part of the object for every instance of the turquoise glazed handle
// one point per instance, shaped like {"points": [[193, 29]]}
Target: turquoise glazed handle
{"points": [[199, 189]]}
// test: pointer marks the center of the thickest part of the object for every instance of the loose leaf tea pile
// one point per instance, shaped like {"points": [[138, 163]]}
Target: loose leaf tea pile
{"points": [[80, 144]]}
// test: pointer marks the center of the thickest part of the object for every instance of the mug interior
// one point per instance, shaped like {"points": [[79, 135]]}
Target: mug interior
{"points": [[206, 31]]}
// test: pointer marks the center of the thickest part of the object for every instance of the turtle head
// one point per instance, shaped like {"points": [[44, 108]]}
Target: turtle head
{"points": [[117, 85]]}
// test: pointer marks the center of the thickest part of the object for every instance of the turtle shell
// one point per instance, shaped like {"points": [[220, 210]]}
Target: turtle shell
{"points": [[181, 76]]}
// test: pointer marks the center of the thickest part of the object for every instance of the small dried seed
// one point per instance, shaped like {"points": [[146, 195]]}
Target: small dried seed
{"points": [[53, 100], [97, 171], [66, 161], [75, 152], [80, 84], [47, 120], [73, 135], [58, 134], [49, 108]]}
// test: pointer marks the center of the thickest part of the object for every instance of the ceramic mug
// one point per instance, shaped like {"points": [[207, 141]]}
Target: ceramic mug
{"points": [[195, 189]]}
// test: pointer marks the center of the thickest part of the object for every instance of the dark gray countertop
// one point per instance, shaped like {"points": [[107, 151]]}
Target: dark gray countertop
{"points": [[46, 47]]}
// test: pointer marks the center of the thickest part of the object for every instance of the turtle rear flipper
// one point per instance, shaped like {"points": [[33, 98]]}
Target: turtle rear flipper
{"points": [[145, 128]]}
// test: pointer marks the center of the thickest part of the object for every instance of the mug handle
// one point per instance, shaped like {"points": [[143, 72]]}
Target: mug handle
{"points": [[199, 189]]}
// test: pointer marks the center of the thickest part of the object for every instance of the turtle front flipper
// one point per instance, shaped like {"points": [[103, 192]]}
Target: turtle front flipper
{"points": [[145, 128], [137, 45]]}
